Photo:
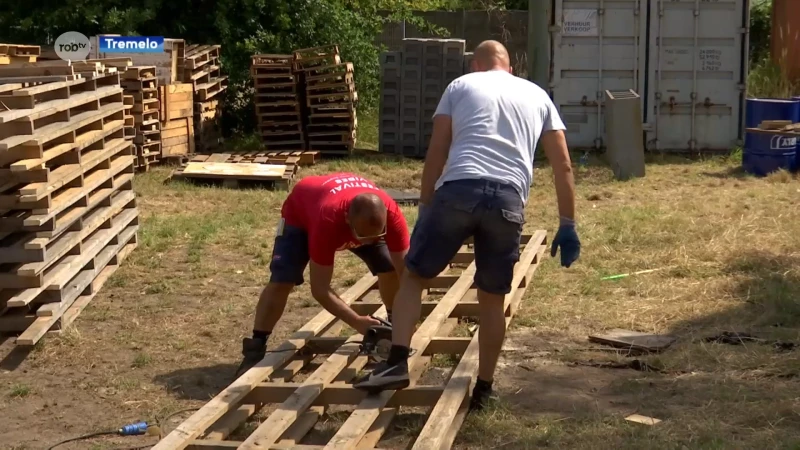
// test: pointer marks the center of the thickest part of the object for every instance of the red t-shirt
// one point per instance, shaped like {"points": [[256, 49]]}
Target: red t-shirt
{"points": [[319, 205]]}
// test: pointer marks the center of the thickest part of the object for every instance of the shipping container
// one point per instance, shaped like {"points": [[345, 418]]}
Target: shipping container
{"points": [[686, 58], [598, 45]]}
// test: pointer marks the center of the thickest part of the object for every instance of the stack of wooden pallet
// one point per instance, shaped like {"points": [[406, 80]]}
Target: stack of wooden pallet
{"points": [[278, 102], [330, 97], [177, 123], [18, 54], [200, 66], [142, 84], [67, 209]]}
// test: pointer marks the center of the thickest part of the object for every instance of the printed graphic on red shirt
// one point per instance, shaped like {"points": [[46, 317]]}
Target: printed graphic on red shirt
{"points": [[319, 205]]}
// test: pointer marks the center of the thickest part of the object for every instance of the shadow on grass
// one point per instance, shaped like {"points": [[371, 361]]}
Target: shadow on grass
{"points": [[728, 172], [197, 383], [767, 289]]}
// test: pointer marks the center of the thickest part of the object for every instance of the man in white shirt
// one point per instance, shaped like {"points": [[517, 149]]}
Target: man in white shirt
{"points": [[477, 177]]}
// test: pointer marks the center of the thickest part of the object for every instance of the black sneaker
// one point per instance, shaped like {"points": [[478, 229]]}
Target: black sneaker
{"points": [[253, 351], [481, 396], [384, 377]]}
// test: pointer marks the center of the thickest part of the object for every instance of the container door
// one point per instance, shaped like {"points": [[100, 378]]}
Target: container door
{"points": [[598, 45], [697, 68]]}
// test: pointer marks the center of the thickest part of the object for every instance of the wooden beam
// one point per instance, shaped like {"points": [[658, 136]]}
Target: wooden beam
{"points": [[443, 415], [447, 346], [357, 425], [231, 397], [463, 309], [438, 345], [340, 394]]}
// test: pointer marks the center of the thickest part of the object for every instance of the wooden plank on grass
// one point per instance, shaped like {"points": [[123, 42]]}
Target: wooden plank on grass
{"points": [[235, 171], [634, 340], [230, 398]]}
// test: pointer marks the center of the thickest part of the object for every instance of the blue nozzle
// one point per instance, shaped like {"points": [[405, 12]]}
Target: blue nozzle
{"points": [[134, 429]]}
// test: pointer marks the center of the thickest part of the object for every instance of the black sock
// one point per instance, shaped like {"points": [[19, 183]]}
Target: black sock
{"points": [[398, 354], [261, 335], [481, 385]]}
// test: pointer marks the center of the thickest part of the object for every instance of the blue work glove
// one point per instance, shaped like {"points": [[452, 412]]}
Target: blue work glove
{"points": [[566, 239]]}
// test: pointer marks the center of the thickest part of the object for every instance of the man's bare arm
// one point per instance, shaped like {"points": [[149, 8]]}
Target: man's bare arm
{"points": [[321, 291], [555, 148], [436, 157]]}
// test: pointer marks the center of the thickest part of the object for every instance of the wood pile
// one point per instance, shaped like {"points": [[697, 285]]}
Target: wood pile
{"points": [[18, 54], [141, 82], [330, 98], [200, 66], [306, 100], [177, 120], [68, 213], [278, 102]]}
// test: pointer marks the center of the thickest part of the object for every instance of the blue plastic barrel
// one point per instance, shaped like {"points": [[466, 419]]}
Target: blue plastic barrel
{"points": [[758, 110], [766, 153]]}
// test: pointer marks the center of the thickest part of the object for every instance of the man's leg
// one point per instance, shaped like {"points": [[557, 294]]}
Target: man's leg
{"points": [[379, 262], [289, 260], [497, 241], [447, 223]]}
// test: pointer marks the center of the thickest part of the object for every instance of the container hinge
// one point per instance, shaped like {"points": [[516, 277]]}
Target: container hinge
{"points": [[744, 30], [647, 126], [554, 28], [741, 86]]}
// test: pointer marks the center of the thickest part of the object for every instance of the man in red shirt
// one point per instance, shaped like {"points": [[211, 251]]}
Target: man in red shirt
{"points": [[323, 215]]}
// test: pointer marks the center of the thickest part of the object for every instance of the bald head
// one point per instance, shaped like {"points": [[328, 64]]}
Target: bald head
{"points": [[491, 55], [367, 215]]}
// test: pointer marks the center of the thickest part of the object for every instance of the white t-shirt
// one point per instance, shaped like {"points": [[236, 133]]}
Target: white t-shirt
{"points": [[497, 121]]}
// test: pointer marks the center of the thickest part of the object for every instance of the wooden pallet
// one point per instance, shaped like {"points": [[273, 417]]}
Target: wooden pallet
{"points": [[302, 404], [64, 162], [177, 101], [177, 138], [73, 283], [279, 176], [310, 58], [20, 50], [198, 55], [299, 158], [141, 83]]}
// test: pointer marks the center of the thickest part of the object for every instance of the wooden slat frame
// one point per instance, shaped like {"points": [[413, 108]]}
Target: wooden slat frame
{"points": [[303, 404]]}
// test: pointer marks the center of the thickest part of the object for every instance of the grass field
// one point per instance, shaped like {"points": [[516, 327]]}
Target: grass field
{"points": [[165, 332]]}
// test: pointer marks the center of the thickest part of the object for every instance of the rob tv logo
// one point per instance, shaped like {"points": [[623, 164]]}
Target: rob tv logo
{"points": [[72, 46]]}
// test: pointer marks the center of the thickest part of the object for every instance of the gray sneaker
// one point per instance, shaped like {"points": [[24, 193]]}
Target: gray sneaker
{"points": [[384, 377], [253, 351]]}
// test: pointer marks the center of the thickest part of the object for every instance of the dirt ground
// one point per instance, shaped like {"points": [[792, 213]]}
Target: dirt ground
{"points": [[165, 332]]}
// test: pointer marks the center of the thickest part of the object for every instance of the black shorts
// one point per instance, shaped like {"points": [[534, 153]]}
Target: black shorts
{"points": [[290, 256]]}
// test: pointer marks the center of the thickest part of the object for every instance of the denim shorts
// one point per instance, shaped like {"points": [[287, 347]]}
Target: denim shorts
{"points": [[491, 212], [290, 256]]}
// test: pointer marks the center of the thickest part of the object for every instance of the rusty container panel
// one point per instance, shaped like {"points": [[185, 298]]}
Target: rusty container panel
{"points": [[785, 36]]}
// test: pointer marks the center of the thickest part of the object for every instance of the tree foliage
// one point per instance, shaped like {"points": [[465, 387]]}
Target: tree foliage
{"points": [[760, 29], [241, 27]]}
